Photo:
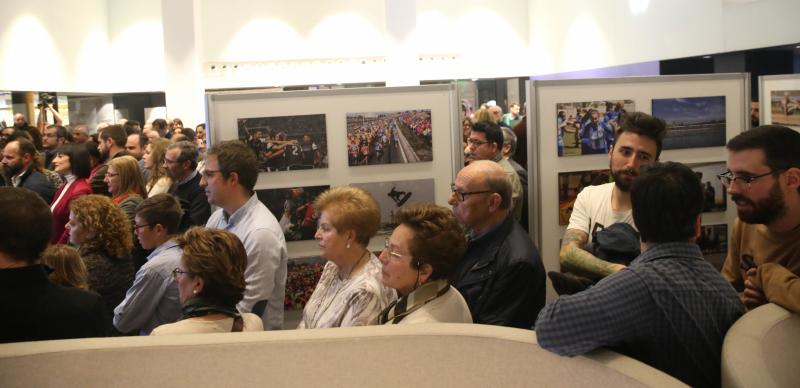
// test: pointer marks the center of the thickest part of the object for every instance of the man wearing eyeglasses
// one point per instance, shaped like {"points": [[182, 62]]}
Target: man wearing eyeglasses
{"points": [[501, 275], [180, 161], [763, 180], [485, 142], [54, 137], [153, 298]]}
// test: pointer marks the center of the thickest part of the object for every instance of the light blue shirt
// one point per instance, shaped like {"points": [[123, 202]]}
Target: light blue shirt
{"points": [[263, 240], [153, 298]]}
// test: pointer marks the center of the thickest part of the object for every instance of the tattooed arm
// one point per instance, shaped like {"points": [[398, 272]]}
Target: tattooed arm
{"points": [[576, 260]]}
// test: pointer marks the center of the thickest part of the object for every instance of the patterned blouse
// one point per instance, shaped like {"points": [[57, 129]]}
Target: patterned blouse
{"points": [[349, 302]]}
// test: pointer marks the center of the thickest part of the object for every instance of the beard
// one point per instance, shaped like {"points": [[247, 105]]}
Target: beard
{"points": [[764, 211], [620, 177], [12, 170]]}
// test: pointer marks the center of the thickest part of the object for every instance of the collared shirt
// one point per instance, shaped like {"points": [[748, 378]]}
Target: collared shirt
{"points": [[153, 298], [670, 309], [188, 178], [265, 245]]}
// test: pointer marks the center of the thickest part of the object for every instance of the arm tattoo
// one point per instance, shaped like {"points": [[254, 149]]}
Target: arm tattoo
{"points": [[575, 259]]}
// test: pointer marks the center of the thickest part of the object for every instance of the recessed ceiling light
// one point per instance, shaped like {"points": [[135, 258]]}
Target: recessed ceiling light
{"points": [[706, 56]]}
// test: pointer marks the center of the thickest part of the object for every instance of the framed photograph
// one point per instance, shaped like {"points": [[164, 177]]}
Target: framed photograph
{"points": [[586, 128], [713, 242], [302, 275], [294, 209], [571, 183], [389, 137], [286, 143], [392, 196], [715, 198], [692, 122], [785, 107]]}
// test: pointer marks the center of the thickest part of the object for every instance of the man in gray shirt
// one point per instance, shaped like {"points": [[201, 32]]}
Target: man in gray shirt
{"points": [[230, 174], [153, 298]]}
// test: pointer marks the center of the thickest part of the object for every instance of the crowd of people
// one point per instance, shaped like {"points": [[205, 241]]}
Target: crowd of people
{"points": [[634, 279]]}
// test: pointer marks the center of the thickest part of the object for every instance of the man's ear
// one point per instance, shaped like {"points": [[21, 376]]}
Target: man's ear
{"points": [[233, 177], [698, 227], [495, 199], [793, 177]]}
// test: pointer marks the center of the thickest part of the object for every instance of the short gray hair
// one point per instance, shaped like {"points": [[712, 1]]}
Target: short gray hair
{"points": [[509, 138], [188, 152]]}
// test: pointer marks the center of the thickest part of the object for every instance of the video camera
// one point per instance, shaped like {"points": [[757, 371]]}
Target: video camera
{"points": [[45, 100]]}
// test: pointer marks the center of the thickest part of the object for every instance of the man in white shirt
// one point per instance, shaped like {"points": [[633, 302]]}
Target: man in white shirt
{"points": [[230, 174], [637, 144]]}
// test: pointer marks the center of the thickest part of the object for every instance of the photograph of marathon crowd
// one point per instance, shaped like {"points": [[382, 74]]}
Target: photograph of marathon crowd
{"points": [[586, 128], [570, 184], [785, 107], [714, 193], [389, 137], [286, 143], [391, 196], [294, 209], [692, 122]]}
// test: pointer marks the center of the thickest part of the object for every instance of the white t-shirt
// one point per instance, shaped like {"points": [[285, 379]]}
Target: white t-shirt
{"points": [[592, 211]]}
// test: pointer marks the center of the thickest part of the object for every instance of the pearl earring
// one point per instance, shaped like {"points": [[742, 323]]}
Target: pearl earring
{"points": [[348, 245], [194, 292]]}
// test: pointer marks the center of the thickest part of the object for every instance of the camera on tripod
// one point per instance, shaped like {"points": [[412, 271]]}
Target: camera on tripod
{"points": [[45, 100]]}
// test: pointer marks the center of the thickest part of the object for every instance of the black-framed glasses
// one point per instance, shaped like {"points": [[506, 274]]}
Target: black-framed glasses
{"points": [[476, 142], [137, 227], [728, 178], [461, 196], [210, 173], [177, 271]]}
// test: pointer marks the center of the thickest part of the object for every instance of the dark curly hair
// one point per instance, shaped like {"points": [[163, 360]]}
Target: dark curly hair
{"points": [[438, 238]]}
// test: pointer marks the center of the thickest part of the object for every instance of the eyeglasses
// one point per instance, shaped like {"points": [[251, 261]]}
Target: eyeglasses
{"points": [[476, 143], [177, 271], [461, 196], [396, 255], [50, 135], [137, 227], [112, 174], [210, 173], [728, 178]]}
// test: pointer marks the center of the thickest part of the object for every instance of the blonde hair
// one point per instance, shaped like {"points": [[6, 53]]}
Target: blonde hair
{"points": [[109, 224], [128, 169], [67, 265], [158, 150], [351, 208]]}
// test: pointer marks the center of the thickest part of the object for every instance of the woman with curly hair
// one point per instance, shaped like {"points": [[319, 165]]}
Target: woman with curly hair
{"points": [[158, 182], [103, 234]]}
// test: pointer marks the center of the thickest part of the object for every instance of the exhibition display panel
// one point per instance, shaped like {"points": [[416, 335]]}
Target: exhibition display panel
{"points": [[779, 100]]}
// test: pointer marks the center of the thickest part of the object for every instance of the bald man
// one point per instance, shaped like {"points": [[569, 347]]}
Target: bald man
{"points": [[501, 275]]}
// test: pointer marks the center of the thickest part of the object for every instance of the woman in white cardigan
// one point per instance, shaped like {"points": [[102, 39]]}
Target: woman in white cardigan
{"points": [[418, 259]]}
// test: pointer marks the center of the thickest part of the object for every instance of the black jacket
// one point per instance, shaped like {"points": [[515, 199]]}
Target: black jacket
{"points": [[33, 308], [194, 202], [502, 277]]}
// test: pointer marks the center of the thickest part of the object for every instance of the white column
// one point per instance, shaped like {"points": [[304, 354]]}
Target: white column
{"points": [[401, 57], [183, 84]]}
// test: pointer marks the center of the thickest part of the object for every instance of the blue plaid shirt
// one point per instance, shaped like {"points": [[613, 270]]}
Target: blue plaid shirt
{"points": [[670, 309]]}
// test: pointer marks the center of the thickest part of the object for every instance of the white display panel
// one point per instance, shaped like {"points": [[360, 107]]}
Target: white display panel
{"points": [[543, 96], [225, 108], [771, 85]]}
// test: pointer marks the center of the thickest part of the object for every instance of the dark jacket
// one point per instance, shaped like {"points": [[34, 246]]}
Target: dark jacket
{"points": [[108, 276], [194, 202], [502, 277], [33, 308], [35, 181]]}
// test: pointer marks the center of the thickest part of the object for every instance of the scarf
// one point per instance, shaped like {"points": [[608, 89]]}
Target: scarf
{"points": [[198, 306], [407, 304]]}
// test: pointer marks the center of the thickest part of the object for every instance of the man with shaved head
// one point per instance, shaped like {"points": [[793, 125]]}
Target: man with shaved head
{"points": [[501, 275]]}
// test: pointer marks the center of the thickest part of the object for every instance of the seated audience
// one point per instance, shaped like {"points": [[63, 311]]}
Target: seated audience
{"points": [[22, 168], [158, 181], [418, 260], [67, 266], [211, 282], [670, 308], [763, 179], [31, 306], [103, 234], [501, 275], [350, 291], [73, 163], [153, 299]]}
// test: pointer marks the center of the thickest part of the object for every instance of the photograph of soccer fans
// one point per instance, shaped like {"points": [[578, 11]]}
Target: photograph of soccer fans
{"points": [[785, 107], [286, 143], [586, 128], [570, 184], [692, 122], [294, 209], [714, 193], [389, 137], [391, 196]]}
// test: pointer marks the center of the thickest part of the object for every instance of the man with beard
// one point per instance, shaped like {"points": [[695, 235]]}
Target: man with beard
{"points": [[763, 179], [20, 165], [112, 145], [637, 144]]}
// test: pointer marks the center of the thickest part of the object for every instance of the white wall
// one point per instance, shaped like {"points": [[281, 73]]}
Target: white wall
{"points": [[760, 23], [137, 45]]}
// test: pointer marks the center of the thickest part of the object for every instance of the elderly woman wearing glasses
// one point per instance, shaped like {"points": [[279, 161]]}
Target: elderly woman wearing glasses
{"points": [[419, 257], [210, 284], [349, 292]]}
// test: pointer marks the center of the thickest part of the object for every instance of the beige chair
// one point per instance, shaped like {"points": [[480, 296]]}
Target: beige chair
{"points": [[430, 355], [762, 349]]}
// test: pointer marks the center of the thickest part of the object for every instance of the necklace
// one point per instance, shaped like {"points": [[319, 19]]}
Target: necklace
{"points": [[341, 284]]}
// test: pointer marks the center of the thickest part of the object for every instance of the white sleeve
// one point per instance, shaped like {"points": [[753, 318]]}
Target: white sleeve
{"points": [[581, 217], [264, 253]]}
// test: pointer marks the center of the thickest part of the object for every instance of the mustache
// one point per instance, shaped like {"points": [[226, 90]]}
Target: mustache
{"points": [[741, 198]]}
